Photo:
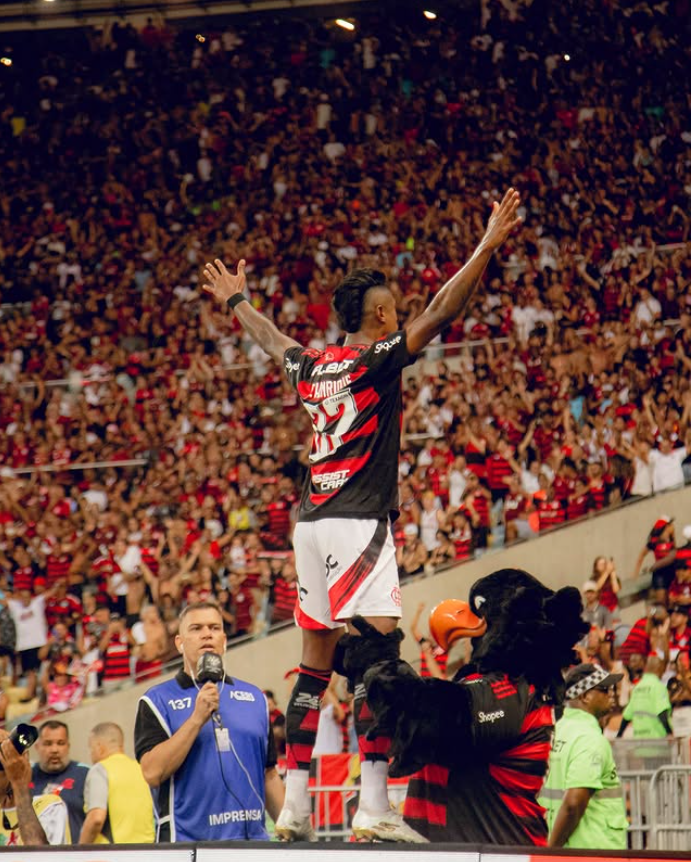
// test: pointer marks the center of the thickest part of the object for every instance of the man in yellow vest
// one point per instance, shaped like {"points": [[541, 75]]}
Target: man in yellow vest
{"points": [[25, 821], [582, 792], [117, 800], [649, 709]]}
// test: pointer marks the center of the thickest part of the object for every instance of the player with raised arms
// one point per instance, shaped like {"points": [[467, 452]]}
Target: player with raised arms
{"points": [[344, 549]]}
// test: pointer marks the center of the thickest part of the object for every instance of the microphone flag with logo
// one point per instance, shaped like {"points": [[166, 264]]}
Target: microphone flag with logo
{"points": [[210, 668]]}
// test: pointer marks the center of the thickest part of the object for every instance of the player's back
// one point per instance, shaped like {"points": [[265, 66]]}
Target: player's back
{"points": [[353, 396]]}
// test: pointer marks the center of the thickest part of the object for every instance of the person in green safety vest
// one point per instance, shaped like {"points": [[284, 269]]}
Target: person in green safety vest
{"points": [[582, 792], [649, 709]]}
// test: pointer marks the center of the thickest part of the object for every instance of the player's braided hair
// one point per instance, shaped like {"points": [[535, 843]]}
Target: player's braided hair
{"points": [[349, 296]]}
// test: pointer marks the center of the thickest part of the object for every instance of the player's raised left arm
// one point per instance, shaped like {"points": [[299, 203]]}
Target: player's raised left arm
{"points": [[455, 295], [224, 286]]}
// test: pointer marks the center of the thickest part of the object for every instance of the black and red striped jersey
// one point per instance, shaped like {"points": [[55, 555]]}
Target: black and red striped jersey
{"points": [[578, 506], [23, 578], [682, 558], [493, 798], [498, 471], [637, 640], [440, 656], [660, 548], [57, 567], [551, 513], [285, 597], [353, 397], [515, 506]]}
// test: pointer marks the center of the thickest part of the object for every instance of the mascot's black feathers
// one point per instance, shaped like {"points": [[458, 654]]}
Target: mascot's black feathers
{"points": [[356, 653], [531, 633], [531, 630]]}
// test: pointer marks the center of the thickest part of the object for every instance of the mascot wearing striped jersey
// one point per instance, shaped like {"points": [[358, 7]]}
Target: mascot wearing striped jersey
{"points": [[476, 747]]}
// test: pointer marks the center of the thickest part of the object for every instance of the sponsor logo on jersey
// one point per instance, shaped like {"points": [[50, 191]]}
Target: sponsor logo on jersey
{"points": [[332, 367], [387, 345], [242, 695], [291, 366], [330, 481], [396, 596], [491, 717]]}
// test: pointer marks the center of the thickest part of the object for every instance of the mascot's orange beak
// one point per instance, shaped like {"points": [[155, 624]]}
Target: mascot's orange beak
{"points": [[451, 620]]}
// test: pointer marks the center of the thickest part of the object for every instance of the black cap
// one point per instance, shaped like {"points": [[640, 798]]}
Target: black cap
{"points": [[587, 676], [680, 609]]}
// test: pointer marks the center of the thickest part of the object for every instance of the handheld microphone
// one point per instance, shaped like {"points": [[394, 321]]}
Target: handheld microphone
{"points": [[210, 669]]}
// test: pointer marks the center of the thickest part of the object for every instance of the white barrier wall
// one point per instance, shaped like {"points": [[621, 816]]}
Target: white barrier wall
{"points": [[560, 558], [317, 853]]}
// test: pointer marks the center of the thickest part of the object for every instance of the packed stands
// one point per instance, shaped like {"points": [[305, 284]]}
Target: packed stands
{"points": [[131, 157]]}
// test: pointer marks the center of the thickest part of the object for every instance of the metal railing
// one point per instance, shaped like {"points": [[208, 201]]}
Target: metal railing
{"points": [[647, 755], [670, 789], [657, 801], [343, 799], [636, 791]]}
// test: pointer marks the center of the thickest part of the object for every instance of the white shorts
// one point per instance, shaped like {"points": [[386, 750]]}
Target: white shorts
{"points": [[345, 567]]}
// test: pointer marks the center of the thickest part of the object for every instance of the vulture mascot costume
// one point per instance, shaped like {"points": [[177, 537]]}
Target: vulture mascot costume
{"points": [[475, 747]]}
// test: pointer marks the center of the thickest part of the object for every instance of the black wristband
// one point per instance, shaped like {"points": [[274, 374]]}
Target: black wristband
{"points": [[236, 299]]}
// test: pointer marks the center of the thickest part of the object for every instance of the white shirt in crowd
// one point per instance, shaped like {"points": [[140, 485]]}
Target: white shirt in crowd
{"points": [[667, 469], [529, 482], [646, 311], [524, 319], [334, 150], [30, 622], [457, 484], [643, 479]]}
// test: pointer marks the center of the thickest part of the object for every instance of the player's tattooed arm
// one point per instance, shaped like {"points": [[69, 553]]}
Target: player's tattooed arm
{"points": [[223, 285], [452, 300]]}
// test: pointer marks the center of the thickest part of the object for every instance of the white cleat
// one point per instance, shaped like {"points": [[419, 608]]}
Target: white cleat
{"points": [[385, 826], [290, 827]]}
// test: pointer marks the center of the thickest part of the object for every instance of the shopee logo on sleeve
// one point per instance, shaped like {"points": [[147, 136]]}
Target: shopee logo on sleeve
{"points": [[387, 345]]}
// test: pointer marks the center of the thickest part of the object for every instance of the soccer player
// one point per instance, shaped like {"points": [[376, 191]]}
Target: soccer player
{"points": [[344, 549]]}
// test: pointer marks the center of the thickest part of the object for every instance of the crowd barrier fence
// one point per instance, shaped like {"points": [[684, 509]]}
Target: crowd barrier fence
{"points": [[656, 787]]}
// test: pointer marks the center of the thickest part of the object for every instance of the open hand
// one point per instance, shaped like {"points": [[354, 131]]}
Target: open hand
{"points": [[503, 220], [223, 284]]}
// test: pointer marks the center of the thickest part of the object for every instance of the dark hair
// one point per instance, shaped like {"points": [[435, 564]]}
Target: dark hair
{"points": [[53, 724], [349, 296]]}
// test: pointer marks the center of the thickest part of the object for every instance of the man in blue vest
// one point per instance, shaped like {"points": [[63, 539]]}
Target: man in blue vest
{"points": [[207, 747]]}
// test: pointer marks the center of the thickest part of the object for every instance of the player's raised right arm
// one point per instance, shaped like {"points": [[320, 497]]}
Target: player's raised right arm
{"points": [[224, 286], [453, 298]]}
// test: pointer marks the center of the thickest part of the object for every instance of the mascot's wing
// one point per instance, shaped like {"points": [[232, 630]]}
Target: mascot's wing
{"points": [[428, 720]]}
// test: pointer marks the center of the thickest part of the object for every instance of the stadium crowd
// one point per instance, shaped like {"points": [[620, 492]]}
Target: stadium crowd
{"points": [[130, 157]]}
